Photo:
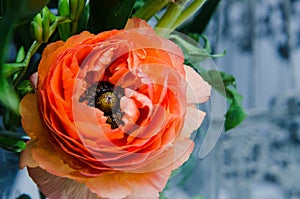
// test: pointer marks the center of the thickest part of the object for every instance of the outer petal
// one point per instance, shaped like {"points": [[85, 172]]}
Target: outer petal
{"points": [[48, 54], [193, 120], [26, 158], [198, 90], [137, 23], [39, 151], [130, 185], [55, 187], [31, 121]]}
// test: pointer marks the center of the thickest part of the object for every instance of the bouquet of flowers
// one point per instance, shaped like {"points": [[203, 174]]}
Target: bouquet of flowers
{"points": [[106, 91]]}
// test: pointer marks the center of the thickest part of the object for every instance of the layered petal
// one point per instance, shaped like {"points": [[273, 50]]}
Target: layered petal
{"points": [[111, 117], [198, 90]]}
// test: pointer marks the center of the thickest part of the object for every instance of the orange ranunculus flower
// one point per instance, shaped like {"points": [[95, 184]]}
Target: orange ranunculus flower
{"points": [[112, 115]]}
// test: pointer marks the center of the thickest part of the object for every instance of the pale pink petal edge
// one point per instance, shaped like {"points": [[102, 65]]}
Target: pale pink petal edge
{"points": [[198, 90]]}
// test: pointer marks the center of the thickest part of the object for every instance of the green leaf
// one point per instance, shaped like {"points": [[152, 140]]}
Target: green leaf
{"points": [[29, 8], [25, 87], [191, 49], [20, 54], [198, 37], [22, 10], [12, 141], [227, 79], [236, 113], [225, 84], [144, 9], [83, 19], [162, 195], [8, 96], [11, 120], [14, 12], [199, 22], [109, 14], [222, 82]]}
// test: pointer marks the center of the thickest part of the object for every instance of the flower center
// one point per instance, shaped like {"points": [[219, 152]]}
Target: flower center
{"points": [[105, 97]]}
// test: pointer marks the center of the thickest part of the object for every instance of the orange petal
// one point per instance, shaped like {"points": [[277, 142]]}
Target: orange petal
{"points": [[198, 90], [31, 121], [26, 158], [55, 187], [47, 59], [39, 148], [130, 185]]}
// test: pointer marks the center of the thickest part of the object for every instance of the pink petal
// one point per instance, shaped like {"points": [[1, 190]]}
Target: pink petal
{"points": [[55, 187], [198, 90], [34, 80], [130, 185], [110, 185], [193, 120], [137, 23], [130, 109]]}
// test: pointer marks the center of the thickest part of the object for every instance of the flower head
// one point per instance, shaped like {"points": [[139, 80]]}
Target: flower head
{"points": [[113, 114]]}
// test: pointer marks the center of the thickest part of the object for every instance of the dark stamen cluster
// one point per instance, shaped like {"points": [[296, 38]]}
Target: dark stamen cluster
{"points": [[105, 97]]}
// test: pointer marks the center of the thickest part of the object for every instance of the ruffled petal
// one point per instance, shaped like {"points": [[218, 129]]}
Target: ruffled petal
{"points": [[39, 150], [26, 158], [135, 22], [193, 120], [55, 187], [198, 90], [48, 55], [130, 185], [31, 121]]}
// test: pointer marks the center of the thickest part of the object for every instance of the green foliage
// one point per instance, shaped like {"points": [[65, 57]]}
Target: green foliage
{"points": [[84, 18], [162, 196], [201, 19], [12, 141], [109, 14], [235, 114], [22, 10], [40, 25], [24, 87], [65, 28], [224, 83], [15, 13]]}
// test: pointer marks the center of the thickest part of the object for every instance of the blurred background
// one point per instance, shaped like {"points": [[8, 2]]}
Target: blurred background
{"points": [[260, 158]]}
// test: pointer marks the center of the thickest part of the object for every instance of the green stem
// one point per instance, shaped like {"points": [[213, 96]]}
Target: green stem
{"points": [[150, 8], [59, 20], [165, 24], [74, 27], [32, 50], [187, 13]]}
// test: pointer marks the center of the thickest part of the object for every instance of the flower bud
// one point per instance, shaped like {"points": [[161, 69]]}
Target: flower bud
{"points": [[64, 29], [36, 30], [40, 26], [76, 7], [46, 25]]}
